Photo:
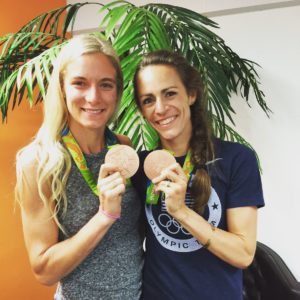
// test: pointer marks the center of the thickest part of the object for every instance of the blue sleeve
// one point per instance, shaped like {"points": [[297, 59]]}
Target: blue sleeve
{"points": [[245, 187]]}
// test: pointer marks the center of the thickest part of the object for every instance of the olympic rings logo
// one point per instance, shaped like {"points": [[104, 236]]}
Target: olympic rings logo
{"points": [[172, 226]]}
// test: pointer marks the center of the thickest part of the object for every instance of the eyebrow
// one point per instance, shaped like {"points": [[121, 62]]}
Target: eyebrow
{"points": [[170, 87], [102, 79], [163, 91], [78, 77], [108, 79]]}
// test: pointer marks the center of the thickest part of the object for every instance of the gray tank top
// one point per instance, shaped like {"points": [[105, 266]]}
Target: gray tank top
{"points": [[113, 270]]}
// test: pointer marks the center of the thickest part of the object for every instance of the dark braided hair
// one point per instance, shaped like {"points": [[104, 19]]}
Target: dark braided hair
{"points": [[201, 144]]}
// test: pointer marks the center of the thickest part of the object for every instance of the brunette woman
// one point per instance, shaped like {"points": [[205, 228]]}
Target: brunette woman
{"points": [[202, 231]]}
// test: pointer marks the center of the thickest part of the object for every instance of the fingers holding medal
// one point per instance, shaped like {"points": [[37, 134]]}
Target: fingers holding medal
{"points": [[168, 177], [121, 162]]}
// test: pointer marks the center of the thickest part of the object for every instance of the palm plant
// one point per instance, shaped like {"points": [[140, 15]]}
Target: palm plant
{"points": [[27, 57]]}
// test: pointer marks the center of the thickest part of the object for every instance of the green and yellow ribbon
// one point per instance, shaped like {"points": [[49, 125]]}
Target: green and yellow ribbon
{"points": [[79, 159]]}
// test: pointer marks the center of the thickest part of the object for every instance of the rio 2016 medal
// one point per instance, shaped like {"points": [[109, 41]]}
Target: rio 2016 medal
{"points": [[125, 158], [156, 161]]}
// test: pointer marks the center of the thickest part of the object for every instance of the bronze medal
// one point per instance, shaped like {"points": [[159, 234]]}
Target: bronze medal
{"points": [[125, 158], [156, 161]]}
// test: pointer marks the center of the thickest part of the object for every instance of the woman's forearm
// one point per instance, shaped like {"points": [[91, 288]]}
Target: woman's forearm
{"points": [[236, 247], [60, 259]]}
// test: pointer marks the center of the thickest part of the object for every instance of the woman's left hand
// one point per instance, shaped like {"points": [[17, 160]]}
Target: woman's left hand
{"points": [[173, 183]]}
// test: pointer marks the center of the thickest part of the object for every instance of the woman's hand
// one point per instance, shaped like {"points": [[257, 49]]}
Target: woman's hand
{"points": [[173, 182], [111, 187]]}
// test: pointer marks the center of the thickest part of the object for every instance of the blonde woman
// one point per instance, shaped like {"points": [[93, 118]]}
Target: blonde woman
{"points": [[80, 224]]}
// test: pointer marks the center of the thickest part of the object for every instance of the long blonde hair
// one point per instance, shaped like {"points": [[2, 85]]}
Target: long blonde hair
{"points": [[52, 160]]}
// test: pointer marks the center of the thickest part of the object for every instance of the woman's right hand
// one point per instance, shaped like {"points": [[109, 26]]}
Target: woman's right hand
{"points": [[111, 187]]}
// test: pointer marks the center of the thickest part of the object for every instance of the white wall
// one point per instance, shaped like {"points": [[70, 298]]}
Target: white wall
{"points": [[89, 16], [270, 37]]}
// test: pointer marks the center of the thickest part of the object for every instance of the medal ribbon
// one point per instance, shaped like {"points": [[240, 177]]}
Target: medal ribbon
{"points": [[79, 159], [152, 197]]}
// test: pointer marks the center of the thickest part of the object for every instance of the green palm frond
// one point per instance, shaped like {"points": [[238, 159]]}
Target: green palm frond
{"points": [[26, 60], [32, 74], [223, 70], [161, 26], [140, 31], [42, 33], [39, 34]]}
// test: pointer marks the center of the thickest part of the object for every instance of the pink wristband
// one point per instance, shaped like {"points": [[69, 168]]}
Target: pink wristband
{"points": [[114, 217]]}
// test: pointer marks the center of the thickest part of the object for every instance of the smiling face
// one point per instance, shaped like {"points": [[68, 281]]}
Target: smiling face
{"points": [[165, 103], [90, 91]]}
